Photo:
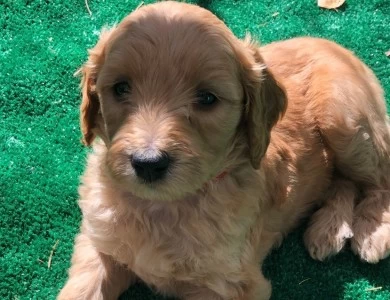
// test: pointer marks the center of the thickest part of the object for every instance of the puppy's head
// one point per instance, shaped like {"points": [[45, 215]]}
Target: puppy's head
{"points": [[173, 94]]}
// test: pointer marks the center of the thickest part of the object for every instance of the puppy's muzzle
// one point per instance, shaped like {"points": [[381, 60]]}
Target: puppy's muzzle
{"points": [[151, 168]]}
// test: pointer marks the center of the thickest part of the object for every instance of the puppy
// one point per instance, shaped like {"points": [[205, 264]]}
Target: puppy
{"points": [[212, 149]]}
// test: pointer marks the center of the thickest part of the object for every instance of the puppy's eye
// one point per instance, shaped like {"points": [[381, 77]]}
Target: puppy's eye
{"points": [[205, 98], [121, 88]]}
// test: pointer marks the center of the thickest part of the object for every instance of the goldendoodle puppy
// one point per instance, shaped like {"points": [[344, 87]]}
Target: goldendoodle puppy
{"points": [[211, 149]]}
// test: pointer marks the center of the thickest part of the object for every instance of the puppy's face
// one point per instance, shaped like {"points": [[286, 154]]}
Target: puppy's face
{"points": [[169, 91]]}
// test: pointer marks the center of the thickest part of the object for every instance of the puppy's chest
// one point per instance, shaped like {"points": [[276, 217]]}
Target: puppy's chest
{"points": [[191, 248], [178, 258]]}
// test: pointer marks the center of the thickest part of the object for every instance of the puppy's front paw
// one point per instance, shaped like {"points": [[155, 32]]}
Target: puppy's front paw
{"points": [[326, 235], [372, 239]]}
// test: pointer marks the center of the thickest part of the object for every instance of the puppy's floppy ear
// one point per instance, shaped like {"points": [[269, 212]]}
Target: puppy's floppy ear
{"points": [[265, 101], [91, 120]]}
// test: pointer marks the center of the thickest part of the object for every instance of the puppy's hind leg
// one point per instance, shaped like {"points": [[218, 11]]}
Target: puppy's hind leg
{"points": [[331, 226], [94, 275], [356, 128], [363, 156], [372, 226], [366, 161]]}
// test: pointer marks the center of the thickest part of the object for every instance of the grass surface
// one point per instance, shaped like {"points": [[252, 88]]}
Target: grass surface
{"points": [[42, 43]]}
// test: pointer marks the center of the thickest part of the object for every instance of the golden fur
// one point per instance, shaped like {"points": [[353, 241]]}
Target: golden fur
{"points": [[299, 124]]}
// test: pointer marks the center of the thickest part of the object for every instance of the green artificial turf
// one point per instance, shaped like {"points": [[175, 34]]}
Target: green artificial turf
{"points": [[43, 43]]}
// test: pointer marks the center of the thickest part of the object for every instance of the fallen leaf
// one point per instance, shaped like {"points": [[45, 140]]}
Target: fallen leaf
{"points": [[330, 4]]}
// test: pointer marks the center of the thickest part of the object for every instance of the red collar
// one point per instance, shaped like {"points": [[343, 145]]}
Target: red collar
{"points": [[221, 176], [217, 178]]}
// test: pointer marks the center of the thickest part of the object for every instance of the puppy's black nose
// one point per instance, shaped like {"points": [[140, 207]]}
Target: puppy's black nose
{"points": [[151, 168]]}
